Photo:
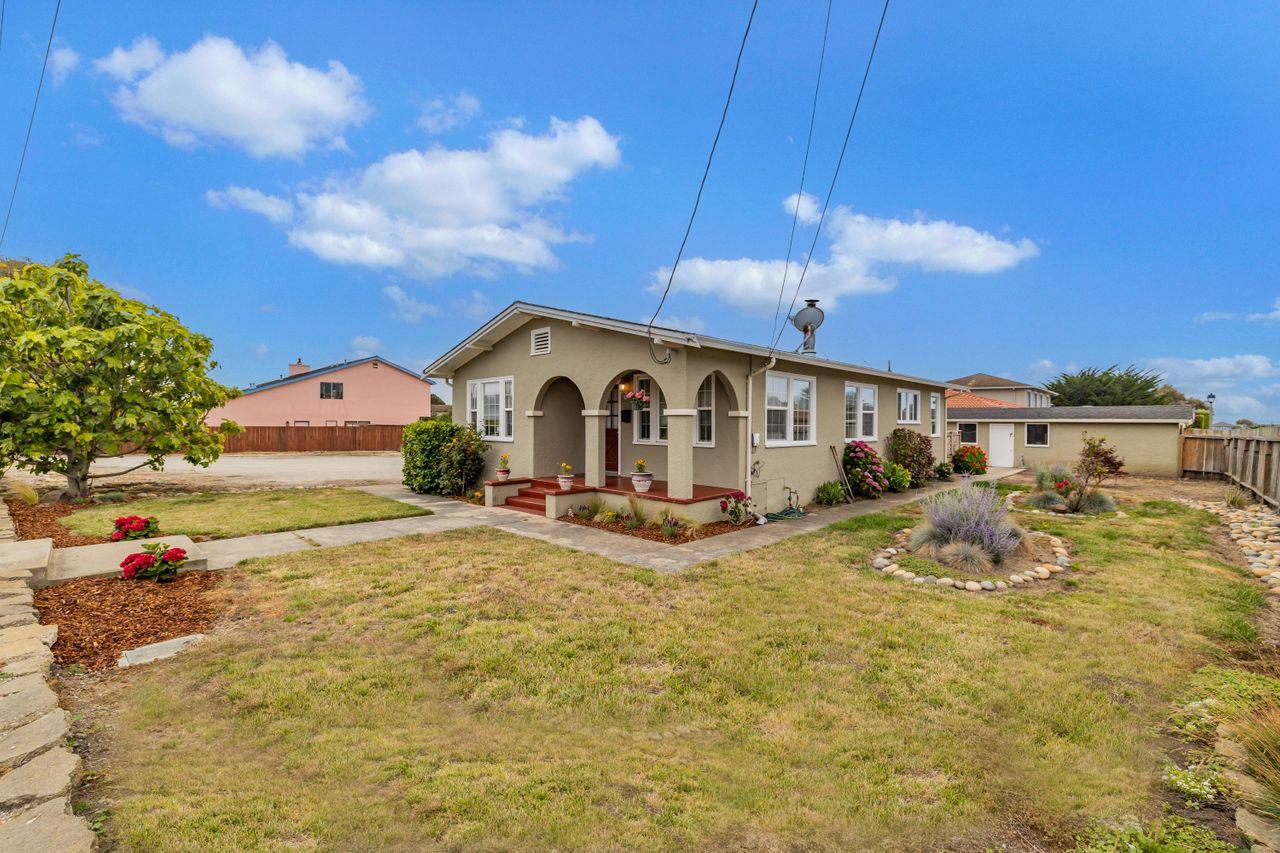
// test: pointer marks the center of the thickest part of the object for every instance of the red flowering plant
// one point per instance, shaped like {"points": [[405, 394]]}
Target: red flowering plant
{"points": [[135, 527], [157, 562], [738, 507], [637, 399], [969, 459], [864, 469]]}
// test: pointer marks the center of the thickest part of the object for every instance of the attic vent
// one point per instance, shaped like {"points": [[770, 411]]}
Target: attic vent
{"points": [[540, 342]]}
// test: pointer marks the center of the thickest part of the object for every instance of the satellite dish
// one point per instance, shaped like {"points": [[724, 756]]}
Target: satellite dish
{"points": [[807, 320]]}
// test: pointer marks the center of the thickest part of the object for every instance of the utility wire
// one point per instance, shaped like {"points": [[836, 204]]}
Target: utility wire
{"points": [[30, 122], [1, 23], [839, 160], [804, 168], [733, 81]]}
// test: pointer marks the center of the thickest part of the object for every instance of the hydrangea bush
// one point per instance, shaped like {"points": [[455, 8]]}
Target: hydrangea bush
{"points": [[864, 469]]}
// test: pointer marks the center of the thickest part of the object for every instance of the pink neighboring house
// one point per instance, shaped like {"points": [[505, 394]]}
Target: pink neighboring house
{"points": [[354, 393]]}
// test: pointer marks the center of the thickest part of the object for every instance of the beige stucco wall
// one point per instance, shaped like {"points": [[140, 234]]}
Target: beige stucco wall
{"points": [[594, 360], [1147, 448]]}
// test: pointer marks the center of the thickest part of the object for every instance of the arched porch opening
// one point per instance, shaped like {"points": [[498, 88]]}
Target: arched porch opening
{"points": [[634, 429], [718, 437], [558, 434]]}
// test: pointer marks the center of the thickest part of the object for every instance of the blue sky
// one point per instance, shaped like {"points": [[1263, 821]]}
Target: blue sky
{"points": [[1030, 186]]}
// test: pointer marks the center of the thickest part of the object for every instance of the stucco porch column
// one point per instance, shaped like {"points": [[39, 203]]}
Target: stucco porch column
{"points": [[739, 420], [593, 421], [680, 452]]}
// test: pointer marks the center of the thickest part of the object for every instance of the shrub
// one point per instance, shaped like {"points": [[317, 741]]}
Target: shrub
{"points": [[1098, 461], [1238, 498], [913, 451], [899, 477], [830, 493], [1050, 500], [441, 457], [944, 471], [737, 506], [1096, 503], [969, 459], [156, 561], [864, 469], [1047, 477], [134, 527], [965, 557], [974, 515]]}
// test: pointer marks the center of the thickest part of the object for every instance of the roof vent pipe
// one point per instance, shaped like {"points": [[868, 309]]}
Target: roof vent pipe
{"points": [[807, 320]]}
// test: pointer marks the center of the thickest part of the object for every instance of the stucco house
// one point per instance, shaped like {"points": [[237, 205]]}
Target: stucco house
{"points": [[1011, 391], [546, 385], [1146, 437], [352, 393]]}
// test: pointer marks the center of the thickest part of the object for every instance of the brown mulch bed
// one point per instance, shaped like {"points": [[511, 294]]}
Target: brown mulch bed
{"points": [[655, 534], [38, 521], [99, 618]]}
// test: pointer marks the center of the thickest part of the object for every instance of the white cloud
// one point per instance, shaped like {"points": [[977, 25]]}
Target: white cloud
{"points": [[1043, 367], [259, 350], [215, 92], [434, 213], [1272, 316], [861, 247], [365, 345], [476, 306], [681, 323], [407, 308], [444, 114], [278, 210], [1229, 369], [62, 61], [1215, 316]]}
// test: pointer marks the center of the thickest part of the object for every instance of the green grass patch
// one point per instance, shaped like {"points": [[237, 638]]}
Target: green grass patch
{"points": [[223, 514]]}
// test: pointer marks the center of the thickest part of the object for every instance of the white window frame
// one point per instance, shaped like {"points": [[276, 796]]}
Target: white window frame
{"points": [[960, 430], [656, 406], [1047, 431], [860, 399], [699, 409], [935, 415], [533, 341], [506, 406], [790, 410], [916, 394]]}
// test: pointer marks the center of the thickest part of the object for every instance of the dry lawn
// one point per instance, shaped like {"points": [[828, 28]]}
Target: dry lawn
{"points": [[475, 689]]}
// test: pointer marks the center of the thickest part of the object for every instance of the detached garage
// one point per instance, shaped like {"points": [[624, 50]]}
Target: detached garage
{"points": [[1146, 437]]}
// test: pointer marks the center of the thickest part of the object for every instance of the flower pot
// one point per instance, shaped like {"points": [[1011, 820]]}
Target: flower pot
{"points": [[641, 480], [503, 474], [565, 481]]}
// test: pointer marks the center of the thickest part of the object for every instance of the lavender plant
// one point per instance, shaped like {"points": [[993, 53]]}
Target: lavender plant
{"points": [[971, 514]]}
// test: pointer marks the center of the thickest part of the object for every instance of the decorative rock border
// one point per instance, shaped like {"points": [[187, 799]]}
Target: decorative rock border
{"points": [[884, 562], [7, 531], [1256, 531]]}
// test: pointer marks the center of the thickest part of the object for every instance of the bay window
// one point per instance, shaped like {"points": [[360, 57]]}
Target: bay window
{"points": [[789, 410], [491, 407]]}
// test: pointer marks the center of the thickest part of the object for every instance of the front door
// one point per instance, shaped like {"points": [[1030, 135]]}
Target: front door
{"points": [[1001, 452], [611, 434]]}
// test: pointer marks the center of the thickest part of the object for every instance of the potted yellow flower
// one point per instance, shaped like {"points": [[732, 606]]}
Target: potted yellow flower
{"points": [[503, 471], [565, 477], [642, 478]]}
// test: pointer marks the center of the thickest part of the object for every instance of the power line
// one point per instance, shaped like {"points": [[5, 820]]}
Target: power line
{"points": [[839, 161], [804, 168], [733, 81], [30, 122], [1, 23]]}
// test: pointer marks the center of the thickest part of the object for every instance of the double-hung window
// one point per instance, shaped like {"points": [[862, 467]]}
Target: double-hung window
{"points": [[908, 406], [789, 410], [655, 409], [705, 434], [935, 415], [859, 412], [491, 407]]}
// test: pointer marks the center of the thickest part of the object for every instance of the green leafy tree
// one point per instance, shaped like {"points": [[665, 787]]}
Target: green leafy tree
{"points": [[86, 373], [1174, 397], [1109, 387]]}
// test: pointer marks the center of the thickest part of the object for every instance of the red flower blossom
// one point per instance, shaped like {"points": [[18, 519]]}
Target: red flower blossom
{"points": [[129, 572], [173, 555], [117, 535]]}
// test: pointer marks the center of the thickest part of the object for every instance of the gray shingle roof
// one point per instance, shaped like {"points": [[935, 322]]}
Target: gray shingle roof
{"points": [[1077, 413], [986, 380]]}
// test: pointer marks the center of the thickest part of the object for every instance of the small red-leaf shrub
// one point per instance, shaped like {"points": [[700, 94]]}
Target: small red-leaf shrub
{"points": [[134, 527], [969, 459], [738, 507], [157, 562], [864, 469], [913, 451]]}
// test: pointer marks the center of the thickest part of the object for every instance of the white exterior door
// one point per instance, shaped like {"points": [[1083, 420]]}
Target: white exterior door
{"points": [[1000, 454]]}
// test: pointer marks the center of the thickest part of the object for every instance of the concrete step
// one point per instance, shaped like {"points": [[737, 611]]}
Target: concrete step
{"points": [[24, 560], [89, 561]]}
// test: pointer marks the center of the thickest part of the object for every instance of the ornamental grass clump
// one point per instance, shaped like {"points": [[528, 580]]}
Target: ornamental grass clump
{"points": [[974, 515]]}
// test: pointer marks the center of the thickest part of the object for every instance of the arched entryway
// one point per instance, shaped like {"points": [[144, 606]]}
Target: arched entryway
{"points": [[634, 429], [558, 434], [717, 445]]}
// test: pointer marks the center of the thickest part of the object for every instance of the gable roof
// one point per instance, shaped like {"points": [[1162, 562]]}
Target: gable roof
{"points": [[970, 400], [989, 382], [1153, 414], [518, 313], [330, 368]]}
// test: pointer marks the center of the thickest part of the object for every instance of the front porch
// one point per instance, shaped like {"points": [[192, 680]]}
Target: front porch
{"points": [[543, 496]]}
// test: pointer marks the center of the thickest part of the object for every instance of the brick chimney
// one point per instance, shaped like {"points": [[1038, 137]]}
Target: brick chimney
{"points": [[298, 367]]}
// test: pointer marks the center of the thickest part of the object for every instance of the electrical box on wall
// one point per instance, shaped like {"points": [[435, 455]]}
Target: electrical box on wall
{"points": [[755, 439]]}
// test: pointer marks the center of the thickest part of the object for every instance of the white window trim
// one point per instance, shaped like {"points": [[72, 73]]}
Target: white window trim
{"points": [[1047, 434], [813, 411], [533, 337], [473, 414], [898, 400], [655, 424], [697, 409], [960, 429], [935, 415], [859, 399]]}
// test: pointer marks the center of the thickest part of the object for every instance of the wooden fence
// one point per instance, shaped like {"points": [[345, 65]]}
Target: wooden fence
{"points": [[302, 439], [1249, 458]]}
